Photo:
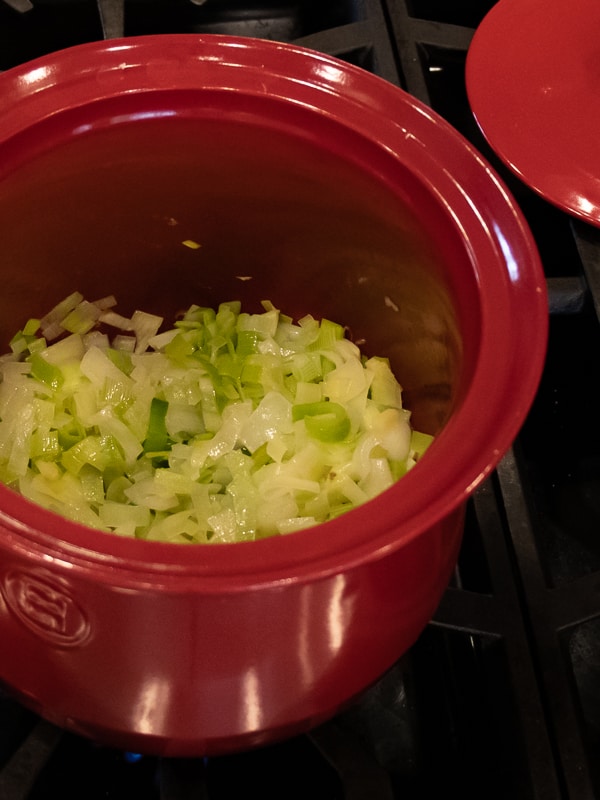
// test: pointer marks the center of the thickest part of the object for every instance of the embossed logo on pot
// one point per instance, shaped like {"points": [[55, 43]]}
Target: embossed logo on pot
{"points": [[45, 607]]}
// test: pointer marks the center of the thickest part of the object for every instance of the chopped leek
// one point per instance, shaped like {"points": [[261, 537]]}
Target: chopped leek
{"points": [[228, 426], [325, 421]]}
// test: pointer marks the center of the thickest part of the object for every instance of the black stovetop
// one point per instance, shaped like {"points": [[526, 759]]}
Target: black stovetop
{"points": [[500, 696]]}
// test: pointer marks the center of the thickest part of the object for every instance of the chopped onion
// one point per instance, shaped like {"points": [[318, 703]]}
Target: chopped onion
{"points": [[226, 427]]}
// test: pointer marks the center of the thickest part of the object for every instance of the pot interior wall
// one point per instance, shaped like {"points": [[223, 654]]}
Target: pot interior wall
{"points": [[284, 205]]}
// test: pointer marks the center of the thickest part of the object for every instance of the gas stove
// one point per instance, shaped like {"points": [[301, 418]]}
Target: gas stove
{"points": [[500, 696]]}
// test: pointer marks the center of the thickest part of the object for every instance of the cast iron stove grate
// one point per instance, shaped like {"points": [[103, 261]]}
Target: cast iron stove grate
{"points": [[500, 696]]}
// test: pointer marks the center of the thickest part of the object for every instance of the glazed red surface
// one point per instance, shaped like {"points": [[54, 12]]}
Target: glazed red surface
{"points": [[328, 191], [532, 79]]}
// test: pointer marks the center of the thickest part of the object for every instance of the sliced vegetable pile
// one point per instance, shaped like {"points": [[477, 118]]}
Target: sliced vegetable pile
{"points": [[229, 426]]}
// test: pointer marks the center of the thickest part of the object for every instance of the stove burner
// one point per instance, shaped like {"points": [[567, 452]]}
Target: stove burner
{"points": [[331, 756]]}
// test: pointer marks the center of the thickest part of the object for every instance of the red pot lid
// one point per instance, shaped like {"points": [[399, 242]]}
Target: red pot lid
{"points": [[533, 82]]}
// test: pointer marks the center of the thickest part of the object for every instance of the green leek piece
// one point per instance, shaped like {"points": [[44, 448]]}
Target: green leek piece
{"points": [[419, 443], [97, 451], [157, 438], [45, 445], [31, 327], [247, 342], [45, 372], [325, 421], [329, 333], [385, 390], [121, 359], [82, 319]]}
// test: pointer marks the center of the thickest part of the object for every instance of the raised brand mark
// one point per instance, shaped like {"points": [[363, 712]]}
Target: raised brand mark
{"points": [[45, 607]]}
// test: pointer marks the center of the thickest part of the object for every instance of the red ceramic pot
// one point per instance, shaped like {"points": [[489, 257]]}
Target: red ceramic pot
{"points": [[328, 191]]}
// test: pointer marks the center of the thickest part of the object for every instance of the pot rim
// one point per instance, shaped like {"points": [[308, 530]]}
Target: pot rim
{"points": [[506, 264]]}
